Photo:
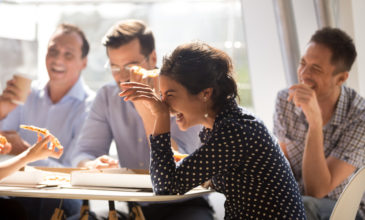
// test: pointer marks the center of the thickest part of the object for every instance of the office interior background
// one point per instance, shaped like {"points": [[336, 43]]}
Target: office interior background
{"points": [[265, 38]]}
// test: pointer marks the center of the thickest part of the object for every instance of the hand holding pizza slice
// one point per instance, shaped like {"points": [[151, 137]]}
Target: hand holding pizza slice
{"points": [[3, 140], [55, 142], [5, 146]]}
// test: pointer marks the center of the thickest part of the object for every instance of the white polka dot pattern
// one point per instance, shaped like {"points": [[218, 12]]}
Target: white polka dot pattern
{"points": [[244, 162]]}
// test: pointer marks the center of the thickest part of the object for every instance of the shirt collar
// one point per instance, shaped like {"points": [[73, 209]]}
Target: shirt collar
{"points": [[78, 91]]}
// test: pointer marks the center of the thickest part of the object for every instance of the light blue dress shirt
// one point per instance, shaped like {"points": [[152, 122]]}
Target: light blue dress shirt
{"points": [[63, 119], [111, 118]]}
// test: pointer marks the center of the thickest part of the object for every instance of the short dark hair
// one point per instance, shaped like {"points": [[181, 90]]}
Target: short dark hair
{"points": [[69, 28], [341, 45], [198, 66], [125, 31]]}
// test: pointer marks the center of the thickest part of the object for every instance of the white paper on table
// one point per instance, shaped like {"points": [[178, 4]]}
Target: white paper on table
{"points": [[33, 176], [118, 177], [23, 177]]}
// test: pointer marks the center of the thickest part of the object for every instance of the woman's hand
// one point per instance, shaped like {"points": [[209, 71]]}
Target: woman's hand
{"points": [[140, 92], [133, 91], [41, 151], [5, 148]]}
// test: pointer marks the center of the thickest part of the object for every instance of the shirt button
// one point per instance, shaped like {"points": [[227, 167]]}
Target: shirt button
{"points": [[140, 140], [141, 164]]}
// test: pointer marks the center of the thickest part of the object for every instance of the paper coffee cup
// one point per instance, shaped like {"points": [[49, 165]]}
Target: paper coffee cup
{"points": [[22, 82]]}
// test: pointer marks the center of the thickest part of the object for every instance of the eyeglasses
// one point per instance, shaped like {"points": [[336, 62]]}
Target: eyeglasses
{"points": [[125, 70]]}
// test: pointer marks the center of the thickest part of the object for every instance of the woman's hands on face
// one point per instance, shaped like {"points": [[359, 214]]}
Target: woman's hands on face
{"points": [[134, 91]]}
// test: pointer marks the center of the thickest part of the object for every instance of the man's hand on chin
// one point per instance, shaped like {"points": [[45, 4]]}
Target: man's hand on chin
{"points": [[303, 96]]}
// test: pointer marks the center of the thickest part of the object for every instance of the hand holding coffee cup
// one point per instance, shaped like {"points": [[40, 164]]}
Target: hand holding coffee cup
{"points": [[18, 89], [16, 92]]}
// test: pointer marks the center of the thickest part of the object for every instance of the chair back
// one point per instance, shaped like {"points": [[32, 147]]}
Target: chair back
{"points": [[347, 204]]}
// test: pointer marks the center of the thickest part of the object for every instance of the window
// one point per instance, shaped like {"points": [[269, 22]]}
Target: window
{"points": [[218, 23]]}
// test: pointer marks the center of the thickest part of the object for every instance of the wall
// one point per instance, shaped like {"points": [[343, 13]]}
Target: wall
{"points": [[264, 57], [265, 61], [358, 8]]}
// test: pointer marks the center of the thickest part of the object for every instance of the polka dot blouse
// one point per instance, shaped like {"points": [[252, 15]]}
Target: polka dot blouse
{"points": [[244, 163]]}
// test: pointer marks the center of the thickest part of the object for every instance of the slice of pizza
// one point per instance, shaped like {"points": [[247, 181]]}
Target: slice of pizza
{"points": [[3, 140], [178, 156], [145, 73], [55, 142]]}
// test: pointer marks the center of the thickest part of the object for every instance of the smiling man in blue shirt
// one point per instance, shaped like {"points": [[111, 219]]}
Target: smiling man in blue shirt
{"points": [[60, 106]]}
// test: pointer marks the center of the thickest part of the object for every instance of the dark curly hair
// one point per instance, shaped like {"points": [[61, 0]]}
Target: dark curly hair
{"points": [[341, 45], [198, 66]]}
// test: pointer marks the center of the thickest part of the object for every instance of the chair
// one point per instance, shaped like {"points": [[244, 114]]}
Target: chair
{"points": [[348, 204]]}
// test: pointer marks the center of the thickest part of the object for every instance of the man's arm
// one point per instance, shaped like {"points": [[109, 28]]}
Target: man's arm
{"points": [[283, 148], [11, 92], [18, 145], [9, 128], [95, 136], [6, 106], [321, 175]]}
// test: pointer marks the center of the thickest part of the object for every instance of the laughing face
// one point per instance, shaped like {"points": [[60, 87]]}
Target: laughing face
{"points": [[189, 109], [317, 71], [126, 55], [64, 59]]}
